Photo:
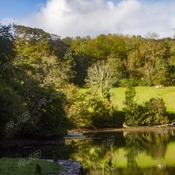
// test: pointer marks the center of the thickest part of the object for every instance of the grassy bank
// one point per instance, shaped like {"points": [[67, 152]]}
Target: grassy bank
{"points": [[27, 166], [143, 94]]}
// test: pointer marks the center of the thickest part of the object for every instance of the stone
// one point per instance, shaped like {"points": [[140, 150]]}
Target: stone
{"points": [[72, 167]]}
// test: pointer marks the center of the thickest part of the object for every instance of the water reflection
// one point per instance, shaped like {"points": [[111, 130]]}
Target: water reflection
{"points": [[128, 153], [111, 153]]}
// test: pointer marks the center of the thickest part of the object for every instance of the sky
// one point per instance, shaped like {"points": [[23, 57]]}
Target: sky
{"points": [[92, 17]]}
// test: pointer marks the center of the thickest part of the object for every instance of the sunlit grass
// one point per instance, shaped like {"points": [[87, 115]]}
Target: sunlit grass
{"points": [[143, 94]]}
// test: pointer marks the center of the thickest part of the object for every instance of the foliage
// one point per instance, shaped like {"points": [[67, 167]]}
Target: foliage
{"points": [[6, 43], [100, 78], [155, 112], [34, 65], [32, 83], [152, 112], [132, 110], [96, 109], [31, 43], [142, 60], [11, 107], [91, 110]]}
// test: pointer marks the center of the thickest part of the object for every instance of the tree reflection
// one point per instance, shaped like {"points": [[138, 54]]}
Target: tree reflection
{"points": [[141, 153], [154, 143]]}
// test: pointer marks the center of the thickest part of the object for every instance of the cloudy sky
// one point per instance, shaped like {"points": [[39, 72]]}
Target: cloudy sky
{"points": [[92, 17]]}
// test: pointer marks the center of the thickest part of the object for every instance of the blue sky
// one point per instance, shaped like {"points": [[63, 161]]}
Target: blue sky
{"points": [[92, 17], [19, 8]]}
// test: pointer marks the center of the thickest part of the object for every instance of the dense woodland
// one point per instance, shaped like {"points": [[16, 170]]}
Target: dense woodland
{"points": [[41, 75]]}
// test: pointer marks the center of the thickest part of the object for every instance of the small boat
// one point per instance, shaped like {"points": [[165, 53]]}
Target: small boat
{"points": [[74, 135]]}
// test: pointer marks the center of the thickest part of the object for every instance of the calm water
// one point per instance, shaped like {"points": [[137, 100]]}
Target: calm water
{"points": [[108, 153], [127, 153]]}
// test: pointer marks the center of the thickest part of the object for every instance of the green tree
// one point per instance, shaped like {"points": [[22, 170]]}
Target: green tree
{"points": [[152, 53], [37, 83], [132, 109], [118, 69], [6, 43], [11, 103], [31, 43], [11, 108], [155, 112], [90, 110], [152, 112], [7, 52]]}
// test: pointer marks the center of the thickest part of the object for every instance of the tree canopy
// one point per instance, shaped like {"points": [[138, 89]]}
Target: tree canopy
{"points": [[41, 73]]}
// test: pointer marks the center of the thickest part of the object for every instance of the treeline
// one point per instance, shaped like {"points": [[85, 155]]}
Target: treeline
{"points": [[41, 74], [144, 61]]}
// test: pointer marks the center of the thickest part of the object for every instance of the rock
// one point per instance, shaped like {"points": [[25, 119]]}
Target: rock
{"points": [[72, 167]]}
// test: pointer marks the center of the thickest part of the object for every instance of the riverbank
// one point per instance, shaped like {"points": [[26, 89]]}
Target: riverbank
{"points": [[131, 129], [71, 167]]}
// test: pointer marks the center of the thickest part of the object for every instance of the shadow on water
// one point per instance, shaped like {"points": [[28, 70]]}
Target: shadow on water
{"points": [[108, 153], [50, 149]]}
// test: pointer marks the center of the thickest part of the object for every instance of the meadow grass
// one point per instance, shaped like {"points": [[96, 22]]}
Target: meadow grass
{"points": [[144, 94], [12, 166]]}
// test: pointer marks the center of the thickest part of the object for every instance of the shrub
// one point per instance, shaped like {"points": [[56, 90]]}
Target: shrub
{"points": [[152, 112], [155, 112]]}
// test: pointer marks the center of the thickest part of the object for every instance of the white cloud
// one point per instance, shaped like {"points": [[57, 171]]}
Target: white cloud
{"points": [[94, 17], [7, 21]]}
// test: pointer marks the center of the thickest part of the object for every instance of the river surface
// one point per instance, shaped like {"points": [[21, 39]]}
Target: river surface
{"points": [[127, 153], [112, 153]]}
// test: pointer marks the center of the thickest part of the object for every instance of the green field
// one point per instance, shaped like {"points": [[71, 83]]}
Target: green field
{"points": [[143, 94]]}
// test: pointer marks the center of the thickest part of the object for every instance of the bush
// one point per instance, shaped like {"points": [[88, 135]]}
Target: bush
{"points": [[90, 110], [152, 112], [155, 112]]}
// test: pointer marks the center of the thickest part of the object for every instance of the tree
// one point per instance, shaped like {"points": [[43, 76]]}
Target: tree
{"points": [[11, 108], [31, 43], [11, 104], [163, 77], [132, 109], [7, 52], [89, 110], [6, 43], [118, 69], [152, 53], [155, 112], [100, 78], [152, 112]]}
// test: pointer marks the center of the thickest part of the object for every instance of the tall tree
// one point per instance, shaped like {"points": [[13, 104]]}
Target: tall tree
{"points": [[152, 53], [31, 43]]}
